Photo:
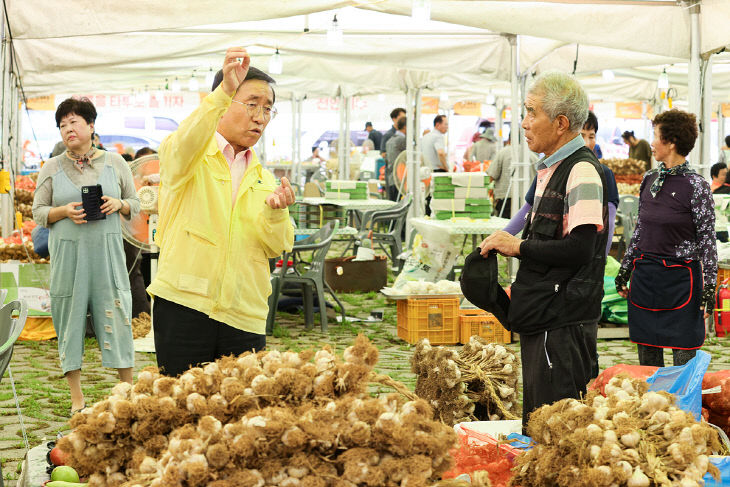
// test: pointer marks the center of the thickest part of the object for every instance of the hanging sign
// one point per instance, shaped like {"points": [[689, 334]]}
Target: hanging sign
{"points": [[429, 105], [628, 110], [725, 107], [468, 108], [42, 103]]}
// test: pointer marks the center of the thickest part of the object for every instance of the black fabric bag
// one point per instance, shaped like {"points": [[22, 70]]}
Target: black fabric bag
{"points": [[481, 287]]}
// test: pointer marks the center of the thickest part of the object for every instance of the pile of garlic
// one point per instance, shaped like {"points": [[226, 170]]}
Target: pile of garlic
{"points": [[479, 382], [630, 438], [269, 418], [621, 167], [425, 287]]}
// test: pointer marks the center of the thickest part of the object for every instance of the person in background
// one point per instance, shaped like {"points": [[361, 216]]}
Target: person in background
{"points": [[315, 157], [394, 147], [589, 136], [671, 261], [127, 157], [144, 151], [433, 145], [725, 151], [485, 148], [589, 129], [500, 170], [556, 297], [97, 142], [639, 149], [221, 217], [87, 257], [718, 173], [394, 116], [373, 135], [58, 149]]}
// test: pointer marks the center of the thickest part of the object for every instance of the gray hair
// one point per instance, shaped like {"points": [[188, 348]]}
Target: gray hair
{"points": [[562, 95]]}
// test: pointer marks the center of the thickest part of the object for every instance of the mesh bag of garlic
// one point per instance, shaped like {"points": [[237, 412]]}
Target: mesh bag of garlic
{"points": [[288, 419], [630, 437], [479, 382]]}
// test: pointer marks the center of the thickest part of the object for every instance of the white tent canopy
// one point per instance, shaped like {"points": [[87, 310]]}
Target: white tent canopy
{"points": [[108, 46]]}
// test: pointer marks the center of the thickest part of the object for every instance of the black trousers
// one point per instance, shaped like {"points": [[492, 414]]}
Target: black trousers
{"points": [[556, 364], [140, 298], [654, 356], [507, 213], [185, 338]]}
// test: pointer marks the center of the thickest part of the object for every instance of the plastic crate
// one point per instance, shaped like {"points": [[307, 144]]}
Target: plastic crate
{"points": [[434, 318], [479, 322]]}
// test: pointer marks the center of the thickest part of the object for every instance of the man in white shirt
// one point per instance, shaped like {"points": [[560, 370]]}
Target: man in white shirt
{"points": [[433, 145]]}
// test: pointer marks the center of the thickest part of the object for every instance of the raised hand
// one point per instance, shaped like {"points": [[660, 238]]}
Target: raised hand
{"points": [[234, 71], [282, 197]]}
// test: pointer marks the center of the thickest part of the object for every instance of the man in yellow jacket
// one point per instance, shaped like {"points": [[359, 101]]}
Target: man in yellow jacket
{"points": [[221, 216]]}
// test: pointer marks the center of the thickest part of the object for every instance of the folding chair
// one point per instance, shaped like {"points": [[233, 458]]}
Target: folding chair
{"points": [[10, 329], [391, 222], [627, 212], [309, 274]]}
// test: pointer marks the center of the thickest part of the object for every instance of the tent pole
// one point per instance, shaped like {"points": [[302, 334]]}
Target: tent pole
{"points": [[411, 169], [720, 128], [294, 168], [694, 87], [300, 108], [262, 147], [706, 120], [348, 139], [414, 144], [341, 138], [499, 123], [514, 115], [6, 200]]}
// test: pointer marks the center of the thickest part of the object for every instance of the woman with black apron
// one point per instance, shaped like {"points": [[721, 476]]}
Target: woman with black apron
{"points": [[671, 262]]}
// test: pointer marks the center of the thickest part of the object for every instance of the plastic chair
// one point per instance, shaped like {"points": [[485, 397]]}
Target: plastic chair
{"points": [[392, 221], [627, 212], [10, 329], [311, 279]]}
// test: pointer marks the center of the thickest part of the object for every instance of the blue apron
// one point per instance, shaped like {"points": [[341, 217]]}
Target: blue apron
{"points": [[88, 273], [664, 303]]}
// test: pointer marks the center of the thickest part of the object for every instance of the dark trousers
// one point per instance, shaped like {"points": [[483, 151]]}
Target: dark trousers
{"points": [[556, 364], [654, 356], [428, 198], [507, 213], [392, 192], [140, 299], [185, 338]]}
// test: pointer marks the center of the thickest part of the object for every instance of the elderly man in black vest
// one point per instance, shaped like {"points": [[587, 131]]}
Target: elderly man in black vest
{"points": [[556, 297]]}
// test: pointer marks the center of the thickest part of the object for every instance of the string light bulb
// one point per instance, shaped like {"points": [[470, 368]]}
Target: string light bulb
{"points": [[276, 65], [193, 84], [176, 85], [334, 33], [209, 76], [663, 81]]}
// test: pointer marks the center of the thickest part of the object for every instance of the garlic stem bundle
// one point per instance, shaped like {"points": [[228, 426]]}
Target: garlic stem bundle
{"points": [[477, 382], [270, 418], [631, 438]]}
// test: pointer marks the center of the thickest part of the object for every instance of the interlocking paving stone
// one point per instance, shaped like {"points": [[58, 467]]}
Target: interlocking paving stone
{"points": [[45, 400]]}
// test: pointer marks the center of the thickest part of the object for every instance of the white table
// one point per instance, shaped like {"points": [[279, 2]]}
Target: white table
{"points": [[361, 205], [458, 227], [347, 231]]}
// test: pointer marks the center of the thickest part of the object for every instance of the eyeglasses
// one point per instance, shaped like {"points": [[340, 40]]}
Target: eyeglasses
{"points": [[253, 110]]}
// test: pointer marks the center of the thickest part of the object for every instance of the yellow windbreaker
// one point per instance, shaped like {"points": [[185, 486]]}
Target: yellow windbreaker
{"points": [[213, 254]]}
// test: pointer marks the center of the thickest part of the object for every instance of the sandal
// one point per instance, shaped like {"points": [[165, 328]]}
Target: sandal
{"points": [[74, 411]]}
